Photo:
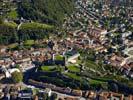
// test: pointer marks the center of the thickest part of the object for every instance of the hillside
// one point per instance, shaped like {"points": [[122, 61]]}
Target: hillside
{"points": [[49, 11], [46, 16]]}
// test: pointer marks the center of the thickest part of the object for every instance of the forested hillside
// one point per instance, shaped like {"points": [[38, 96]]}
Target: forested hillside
{"points": [[10, 34], [50, 11], [44, 15]]}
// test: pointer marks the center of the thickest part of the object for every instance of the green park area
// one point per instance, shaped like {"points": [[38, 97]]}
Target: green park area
{"points": [[13, 45], [48, 68], [29, 42], [73, 76], [59, 57], [73, 68], [96, 82]]}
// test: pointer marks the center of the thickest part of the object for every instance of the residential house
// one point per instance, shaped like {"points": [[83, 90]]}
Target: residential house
{"points": [[3, 49], [76, 92], [116, 96], [110, 96], [100, 49], [97, 33], [24, 63], [25, 94], [70, 98], [126, 34], [90, 95], [116, 61]]}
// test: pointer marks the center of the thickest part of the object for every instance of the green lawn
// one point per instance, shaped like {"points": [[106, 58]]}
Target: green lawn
{"points": [[29, 42], [35, 25], [73, 68], [14, 45], [47, 68], [59, 57], [73, 76], [91, 81], [96, 83]]}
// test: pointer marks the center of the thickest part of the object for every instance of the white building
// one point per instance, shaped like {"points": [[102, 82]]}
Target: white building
{"points": [[48, 91], [73, 58]]}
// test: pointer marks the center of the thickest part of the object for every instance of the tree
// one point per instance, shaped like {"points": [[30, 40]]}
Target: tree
{"points": [[45, 96], [8, 33], [1, 20], [91, 55], [17, 77], [17, 66], [113, 87], [54, 96]]}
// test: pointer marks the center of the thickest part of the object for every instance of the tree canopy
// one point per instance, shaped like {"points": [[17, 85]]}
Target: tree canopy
{"points": [[50, 11], [17, 77]]}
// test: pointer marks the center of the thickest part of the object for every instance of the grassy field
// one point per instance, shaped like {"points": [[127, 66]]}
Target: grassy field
{"points": [[73, 76], [29, 42], [92, 81], [49, 68], [59, 57], [73, 68], [14, 45], [35, 25]]}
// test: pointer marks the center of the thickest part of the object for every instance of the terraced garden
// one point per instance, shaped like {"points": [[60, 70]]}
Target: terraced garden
{"points": [[73, 68], [68, 77], [73, 76]]}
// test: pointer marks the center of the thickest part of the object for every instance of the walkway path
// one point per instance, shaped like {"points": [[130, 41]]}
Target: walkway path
{"points": [[19, 26]]}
